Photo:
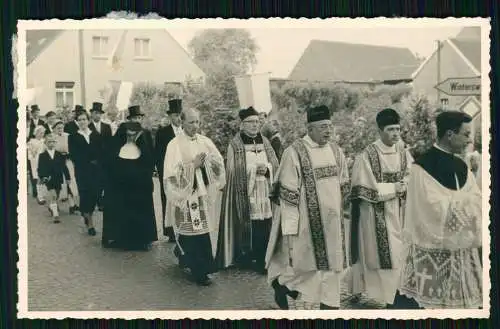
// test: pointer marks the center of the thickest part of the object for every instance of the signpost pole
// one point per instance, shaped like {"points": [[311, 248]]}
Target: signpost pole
{"points": [[438, 69]]}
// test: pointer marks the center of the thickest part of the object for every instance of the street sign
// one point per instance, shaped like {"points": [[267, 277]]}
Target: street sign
{"points": [[460, 86]]}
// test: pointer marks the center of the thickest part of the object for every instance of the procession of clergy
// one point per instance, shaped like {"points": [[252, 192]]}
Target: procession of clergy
{"points": [[412, 240]]}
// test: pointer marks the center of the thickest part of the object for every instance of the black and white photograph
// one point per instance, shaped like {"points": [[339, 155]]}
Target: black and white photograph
{"points": [[260, 168]]}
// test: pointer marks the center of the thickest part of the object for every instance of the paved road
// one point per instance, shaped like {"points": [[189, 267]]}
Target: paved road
{"points": [[69, 271]]}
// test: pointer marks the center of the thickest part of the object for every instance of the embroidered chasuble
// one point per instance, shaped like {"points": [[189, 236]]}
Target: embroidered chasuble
{"points": [[193, 199], [312, 183], [377, 217], [308, 248], [246, 197], [442, 232]]}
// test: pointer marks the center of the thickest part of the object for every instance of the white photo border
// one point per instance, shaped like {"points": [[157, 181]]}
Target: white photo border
{"points": [[285, 23]]}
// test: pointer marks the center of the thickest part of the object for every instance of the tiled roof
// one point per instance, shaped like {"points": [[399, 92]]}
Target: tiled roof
{"points": [[339, 61], [471, 49], [37, 41]]}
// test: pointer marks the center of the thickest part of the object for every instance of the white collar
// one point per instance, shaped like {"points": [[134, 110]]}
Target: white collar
{"points": [[51, 152], [85, 133], [384, 148], [312, 143]]}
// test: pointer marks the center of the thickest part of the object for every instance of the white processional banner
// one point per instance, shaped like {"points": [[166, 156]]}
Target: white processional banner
{"points": [[124, 95], [254, 90]]}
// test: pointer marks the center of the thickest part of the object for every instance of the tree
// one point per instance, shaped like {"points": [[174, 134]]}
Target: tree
{"points": [[223, 54]]}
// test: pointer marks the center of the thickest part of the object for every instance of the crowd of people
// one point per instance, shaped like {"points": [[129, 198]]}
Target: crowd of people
{"points": [[412, 238]]}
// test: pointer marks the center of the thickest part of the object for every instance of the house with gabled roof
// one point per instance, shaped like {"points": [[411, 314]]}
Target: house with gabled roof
{"points": [[71, 67], [460, 57], [331, 61]]}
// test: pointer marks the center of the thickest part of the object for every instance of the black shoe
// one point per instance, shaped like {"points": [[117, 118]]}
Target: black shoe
{"points": [[203, 281], [280, 295], [92, 231], [72, 210], [56, 220]]}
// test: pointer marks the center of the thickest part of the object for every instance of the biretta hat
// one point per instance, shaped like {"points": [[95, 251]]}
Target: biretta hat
{"points": [[134, 111], [174, 106], [387, 117], [318, 113], [35, 108], [96, 107], [248, 112]]}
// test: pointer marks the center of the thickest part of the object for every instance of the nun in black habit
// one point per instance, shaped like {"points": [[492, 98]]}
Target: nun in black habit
{"points": [[129, 219]]}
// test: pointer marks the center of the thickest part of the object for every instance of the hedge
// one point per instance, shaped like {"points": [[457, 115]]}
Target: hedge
{"points": [[353, 110]]}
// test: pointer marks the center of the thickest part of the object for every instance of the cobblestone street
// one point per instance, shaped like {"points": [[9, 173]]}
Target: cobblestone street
{"points": [[69, 271]]}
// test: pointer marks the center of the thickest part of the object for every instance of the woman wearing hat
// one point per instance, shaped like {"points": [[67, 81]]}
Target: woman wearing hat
{"points": [[129, 219], [84, 151]]}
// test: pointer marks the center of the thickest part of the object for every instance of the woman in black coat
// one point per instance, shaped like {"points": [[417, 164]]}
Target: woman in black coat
{"points": [[84, 148]]}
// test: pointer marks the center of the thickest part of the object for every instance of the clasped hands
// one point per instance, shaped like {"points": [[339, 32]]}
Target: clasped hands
{"points": [[401, 187], [261, 169], [199, 160]]}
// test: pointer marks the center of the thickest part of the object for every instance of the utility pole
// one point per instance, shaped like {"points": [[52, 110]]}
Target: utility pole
{"points": [[438, 69], [82, 68]]}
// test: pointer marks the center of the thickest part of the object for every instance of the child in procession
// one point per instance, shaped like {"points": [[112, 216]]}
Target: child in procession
{"points": [[36, 146], [52, 171]]}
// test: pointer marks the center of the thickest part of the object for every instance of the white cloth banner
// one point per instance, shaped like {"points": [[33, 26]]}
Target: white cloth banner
{"points": [[31, 95], [124, 94], [254, 90]]}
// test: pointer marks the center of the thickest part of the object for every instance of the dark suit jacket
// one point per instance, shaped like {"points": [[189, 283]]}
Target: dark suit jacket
{"points": [[33, 126], [53, 168], [71, 127], [163, 136], [48, 130], [105, 129], [104, 138]]}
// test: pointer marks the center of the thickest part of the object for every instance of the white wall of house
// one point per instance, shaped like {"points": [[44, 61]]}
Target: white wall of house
{"points": [[57, 63], [149, 55]]}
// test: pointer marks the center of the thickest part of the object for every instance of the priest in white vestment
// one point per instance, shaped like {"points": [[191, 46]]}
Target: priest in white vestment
{"points": [[379, 177], [307, 254], [443, 224], [194, 175]]}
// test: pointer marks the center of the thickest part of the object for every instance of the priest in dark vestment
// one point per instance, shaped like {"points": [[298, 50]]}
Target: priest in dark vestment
{"points": [[443, 224], [246, 214], [129, 218], [163, 137]]}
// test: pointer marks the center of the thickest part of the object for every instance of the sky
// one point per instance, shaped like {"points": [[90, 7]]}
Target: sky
{"points": [[281, 48]]}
